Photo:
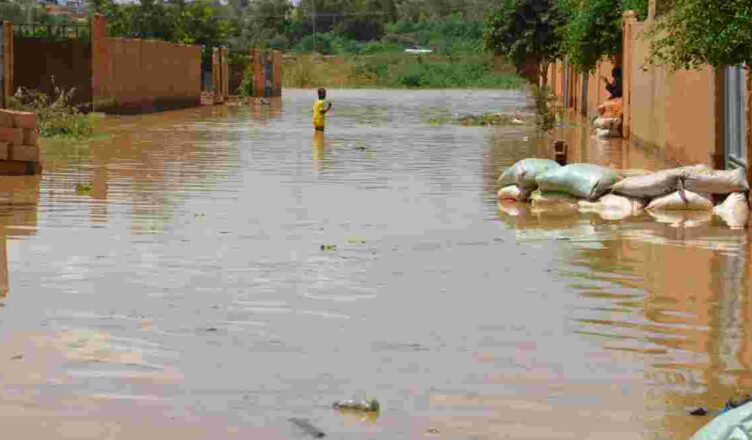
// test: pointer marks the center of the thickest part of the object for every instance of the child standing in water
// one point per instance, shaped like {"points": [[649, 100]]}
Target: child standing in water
{"points": [[319, 112]]}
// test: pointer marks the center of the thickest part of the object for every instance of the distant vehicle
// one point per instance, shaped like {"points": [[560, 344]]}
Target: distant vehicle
{"points": [[418, 50]]}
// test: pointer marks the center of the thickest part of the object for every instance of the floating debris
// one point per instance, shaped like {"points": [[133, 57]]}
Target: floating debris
{"points": [[307, 427], [699, 412], [328, 247], [366, 406], [493, 119], [83, 189]]}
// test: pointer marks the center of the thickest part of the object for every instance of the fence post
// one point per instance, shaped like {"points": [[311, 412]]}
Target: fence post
{"points": [[100, 61], [7, 66]]}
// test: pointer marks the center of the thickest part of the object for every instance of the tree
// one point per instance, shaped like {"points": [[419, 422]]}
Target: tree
{"points": [[526, 31], [593, 29], [701, 32]]}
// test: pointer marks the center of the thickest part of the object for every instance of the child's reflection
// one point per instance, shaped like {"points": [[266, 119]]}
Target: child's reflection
{"points": [[318, 150]]}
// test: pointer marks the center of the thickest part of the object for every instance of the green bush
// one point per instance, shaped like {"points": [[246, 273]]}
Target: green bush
{"points": [[56, 115]]}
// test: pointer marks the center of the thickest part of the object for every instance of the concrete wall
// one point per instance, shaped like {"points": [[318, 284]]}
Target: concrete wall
{"points": [[135, 76], [37, 61]]}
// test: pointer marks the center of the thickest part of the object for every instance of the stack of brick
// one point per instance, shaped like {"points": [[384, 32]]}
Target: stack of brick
{"points": [[19, 142]]}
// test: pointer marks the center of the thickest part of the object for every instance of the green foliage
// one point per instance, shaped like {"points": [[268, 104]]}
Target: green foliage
{"points": [[56, 115], [697, 32], [593, 29], [246, 85], [526, 31], [400, 70]]}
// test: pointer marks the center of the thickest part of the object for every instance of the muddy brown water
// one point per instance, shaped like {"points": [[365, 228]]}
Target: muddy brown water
{"points": [[186, 293]]}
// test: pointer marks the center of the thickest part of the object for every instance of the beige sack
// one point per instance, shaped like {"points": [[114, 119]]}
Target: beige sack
{"points": [[607, 123], [681, 201], [716, 182], [633, 173], [513, 193], [656, 184], [607, 133], [612, 207], [734, 211]]}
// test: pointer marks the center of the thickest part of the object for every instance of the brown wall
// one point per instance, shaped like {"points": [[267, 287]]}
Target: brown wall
{"points": [[134, 76], [37, 61]]}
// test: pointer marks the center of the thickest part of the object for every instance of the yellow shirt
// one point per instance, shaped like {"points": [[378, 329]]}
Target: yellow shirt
{"points": [[318, 117]]}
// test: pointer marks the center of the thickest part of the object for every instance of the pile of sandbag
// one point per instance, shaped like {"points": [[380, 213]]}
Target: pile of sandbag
{"points": [[607, 127], [615, 196], [519, 180], [608, 123]]}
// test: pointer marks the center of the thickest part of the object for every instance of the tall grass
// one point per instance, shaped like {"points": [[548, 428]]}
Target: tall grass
{"points": [[399, 70]]}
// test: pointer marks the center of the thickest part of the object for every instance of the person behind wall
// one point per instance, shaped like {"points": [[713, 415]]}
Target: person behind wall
{"points": [[320, 107], [614, 88]]}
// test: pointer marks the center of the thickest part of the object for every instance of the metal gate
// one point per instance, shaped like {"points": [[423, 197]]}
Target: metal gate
{"points": [[735, 123]]}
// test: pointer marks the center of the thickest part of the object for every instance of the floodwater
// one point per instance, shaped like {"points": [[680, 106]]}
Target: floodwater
{"points": [[186, 293]]}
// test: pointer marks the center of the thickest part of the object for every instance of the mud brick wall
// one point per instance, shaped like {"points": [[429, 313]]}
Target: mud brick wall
{"points": [[137, 76], [19, 143]]}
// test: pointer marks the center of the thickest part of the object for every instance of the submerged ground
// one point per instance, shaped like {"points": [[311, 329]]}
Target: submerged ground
{"points": [[185, 294]]}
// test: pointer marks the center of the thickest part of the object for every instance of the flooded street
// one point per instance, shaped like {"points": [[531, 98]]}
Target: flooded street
{"points": [[228, 270]]}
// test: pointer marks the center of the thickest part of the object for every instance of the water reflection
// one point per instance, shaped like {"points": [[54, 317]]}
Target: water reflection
{"points": [[318, 150], [19, 199], [265, 110]]}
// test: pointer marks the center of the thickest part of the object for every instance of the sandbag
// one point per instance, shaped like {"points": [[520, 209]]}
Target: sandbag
{"points": [[734, 211], [607, 133], [513, 193], [607, 123], [656, 184], [716, 182], [524, 172], [681, 201], [623, 174], [580, 180], [612, 207], [735, 424]]}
